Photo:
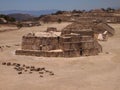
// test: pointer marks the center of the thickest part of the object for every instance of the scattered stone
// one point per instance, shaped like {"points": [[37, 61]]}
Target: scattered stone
{"points": [[17, 65], [18, 69], [41, 72], [43, 68], [8, 64], [8, 46], [14, 64], [30, 72], [23, 65], [41, 76], [47, 71], [25, 70], [4, 63], [19, 72], [30, 69], [52, 74], [38, 69], [27, 67]]}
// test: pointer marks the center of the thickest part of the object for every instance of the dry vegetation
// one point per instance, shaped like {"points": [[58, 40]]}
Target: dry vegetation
{"points": [[100, 72]]}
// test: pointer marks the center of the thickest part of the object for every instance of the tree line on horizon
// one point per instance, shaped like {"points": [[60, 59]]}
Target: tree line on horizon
{"points": [[81, 11]]}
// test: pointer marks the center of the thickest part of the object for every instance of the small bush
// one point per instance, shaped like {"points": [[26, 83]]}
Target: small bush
{"points": [[19, 25]]}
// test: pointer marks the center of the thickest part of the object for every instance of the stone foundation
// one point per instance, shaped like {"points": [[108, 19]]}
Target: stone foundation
{"points": [[67, 53], [39, 53]]}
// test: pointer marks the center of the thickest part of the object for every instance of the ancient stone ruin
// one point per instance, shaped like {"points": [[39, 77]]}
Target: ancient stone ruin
{"points": [[68, 43], [109, 16], [99, 28]]}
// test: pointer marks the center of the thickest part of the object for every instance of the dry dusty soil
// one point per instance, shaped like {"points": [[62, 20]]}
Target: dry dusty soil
{"points": [[100, 72]]}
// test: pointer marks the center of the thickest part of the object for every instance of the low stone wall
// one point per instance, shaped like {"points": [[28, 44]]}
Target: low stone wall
{"points": [[39, 53], [67, 53], [40, 43]]}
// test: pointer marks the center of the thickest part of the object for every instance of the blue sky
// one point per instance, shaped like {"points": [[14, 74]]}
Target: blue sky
{"points": [[56, 4]]}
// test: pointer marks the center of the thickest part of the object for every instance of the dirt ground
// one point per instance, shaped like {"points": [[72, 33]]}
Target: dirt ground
{"points": [[100, 72], [4, 27]]}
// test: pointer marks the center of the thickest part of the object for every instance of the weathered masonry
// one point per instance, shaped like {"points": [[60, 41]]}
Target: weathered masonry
{"points": [[60, 44]]}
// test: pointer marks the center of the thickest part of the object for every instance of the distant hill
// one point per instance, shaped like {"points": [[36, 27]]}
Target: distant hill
{"points": [[34, 13], [20, 17], [4, 19]]}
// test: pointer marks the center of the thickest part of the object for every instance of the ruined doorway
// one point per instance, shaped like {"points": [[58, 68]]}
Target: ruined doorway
{"points": [[81, 52], [40, 47]]}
